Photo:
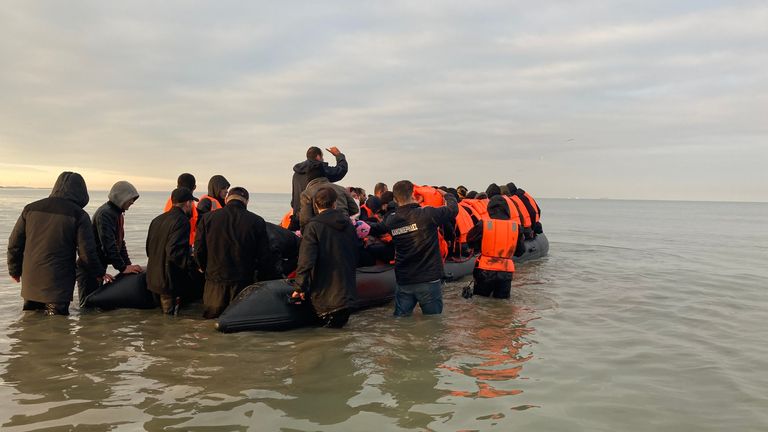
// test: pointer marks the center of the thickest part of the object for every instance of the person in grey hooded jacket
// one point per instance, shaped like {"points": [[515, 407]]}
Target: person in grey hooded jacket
{"points": [[44, 242], [109, 232]]}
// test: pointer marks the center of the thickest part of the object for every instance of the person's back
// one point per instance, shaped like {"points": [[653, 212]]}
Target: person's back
{"points": [[417, 251], [534, 211], [168, 252], [299, 180], [186, 180], [230, 246], [328, 257], [44, 242]]}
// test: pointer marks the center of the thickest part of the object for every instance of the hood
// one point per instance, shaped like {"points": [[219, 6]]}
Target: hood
{"points": [[215, 184], [492, 190], [498, 208], [122, 192], [302, 167], [333, 218], [71, 186], [318, 180]]}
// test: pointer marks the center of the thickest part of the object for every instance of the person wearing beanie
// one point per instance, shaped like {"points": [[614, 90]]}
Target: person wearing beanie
{"points": [[186, 180], [50, 236], [345, 203], [300, 178], [232, 250], [109, 232], [215, 198], [471, 195], [169, 256], [370, 210]]}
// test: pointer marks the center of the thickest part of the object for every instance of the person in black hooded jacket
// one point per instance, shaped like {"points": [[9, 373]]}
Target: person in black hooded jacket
{"points": [[230, 246], [489, 282], [328, 257], [217, 191], [300, 180], [43, 244]]}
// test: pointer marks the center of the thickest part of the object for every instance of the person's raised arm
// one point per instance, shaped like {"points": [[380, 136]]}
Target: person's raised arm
{"points": [[336, 173]]}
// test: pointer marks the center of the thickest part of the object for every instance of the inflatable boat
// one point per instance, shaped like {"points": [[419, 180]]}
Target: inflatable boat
{"points": [[126, 292]]}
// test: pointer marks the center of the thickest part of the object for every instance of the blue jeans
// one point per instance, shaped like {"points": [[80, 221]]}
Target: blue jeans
{"points": [[429, 295]]}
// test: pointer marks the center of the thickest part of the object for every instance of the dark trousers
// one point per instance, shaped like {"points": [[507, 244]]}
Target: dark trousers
{"points": [[218, 295], [492, 283], [47, 308], [335, 319]]}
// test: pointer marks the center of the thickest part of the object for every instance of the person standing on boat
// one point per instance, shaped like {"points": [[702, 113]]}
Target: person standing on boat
{"points": [[498, 237], [109, 232], [43, 245], [230, 246], [345, 203], [169, 256], [328, 256], [418, 262], [215, 198], [300, 178]]}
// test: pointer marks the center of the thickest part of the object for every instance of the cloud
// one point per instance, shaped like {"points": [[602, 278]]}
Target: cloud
{"points": [[570, 99]]}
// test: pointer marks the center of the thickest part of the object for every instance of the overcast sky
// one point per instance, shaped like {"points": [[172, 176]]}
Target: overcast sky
{"points": [[594, 99]]}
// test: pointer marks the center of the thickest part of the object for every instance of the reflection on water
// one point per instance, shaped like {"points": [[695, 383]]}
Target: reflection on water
{"points": [[623, 329]]}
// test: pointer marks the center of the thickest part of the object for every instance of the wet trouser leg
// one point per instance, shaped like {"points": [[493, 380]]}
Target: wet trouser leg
{"points": [[218, 295], [491, 283], [335, 319], [61, 308], [428, 295]]}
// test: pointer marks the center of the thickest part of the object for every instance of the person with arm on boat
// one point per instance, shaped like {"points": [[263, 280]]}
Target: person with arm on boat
{"points": [[169, 255], [328, 257], [215, 198], [300, 180], [51, 238], [418, 260], [498, 238], [108, 226], [232, 249], [317, 180]]}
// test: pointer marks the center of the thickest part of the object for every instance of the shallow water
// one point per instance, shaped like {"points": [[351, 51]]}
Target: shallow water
{"points": [[645, 316]]}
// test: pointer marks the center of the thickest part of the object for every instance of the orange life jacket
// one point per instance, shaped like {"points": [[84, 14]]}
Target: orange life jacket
{"points": [[286, 221], [498, 246], [535, 206], [192, 221], [215, 205], [515, 202], [464, 223], [430, 195], [370, 214], [478, 207]]}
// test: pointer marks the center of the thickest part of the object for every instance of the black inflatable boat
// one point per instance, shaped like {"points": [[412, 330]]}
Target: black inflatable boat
{"points": [[126, 292]]}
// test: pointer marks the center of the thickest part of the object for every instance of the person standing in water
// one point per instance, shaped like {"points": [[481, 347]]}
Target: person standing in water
{"points": [[109, 232], [328, 256], [43, 245]]}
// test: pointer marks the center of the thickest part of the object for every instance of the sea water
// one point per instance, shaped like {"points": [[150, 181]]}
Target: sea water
{"points": [[645, 316]]}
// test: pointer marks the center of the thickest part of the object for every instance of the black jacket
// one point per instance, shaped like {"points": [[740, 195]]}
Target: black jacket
{"points": [[109, 234], [327, 260], [414, 234], [45, 239], [168, 254], [231, 244], [299, 182]]}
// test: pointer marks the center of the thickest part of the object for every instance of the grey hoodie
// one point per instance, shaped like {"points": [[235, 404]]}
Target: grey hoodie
{"points": [[122, 192]]}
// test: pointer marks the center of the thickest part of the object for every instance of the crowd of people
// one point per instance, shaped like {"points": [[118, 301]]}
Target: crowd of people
{"points": [[212, 247]]}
